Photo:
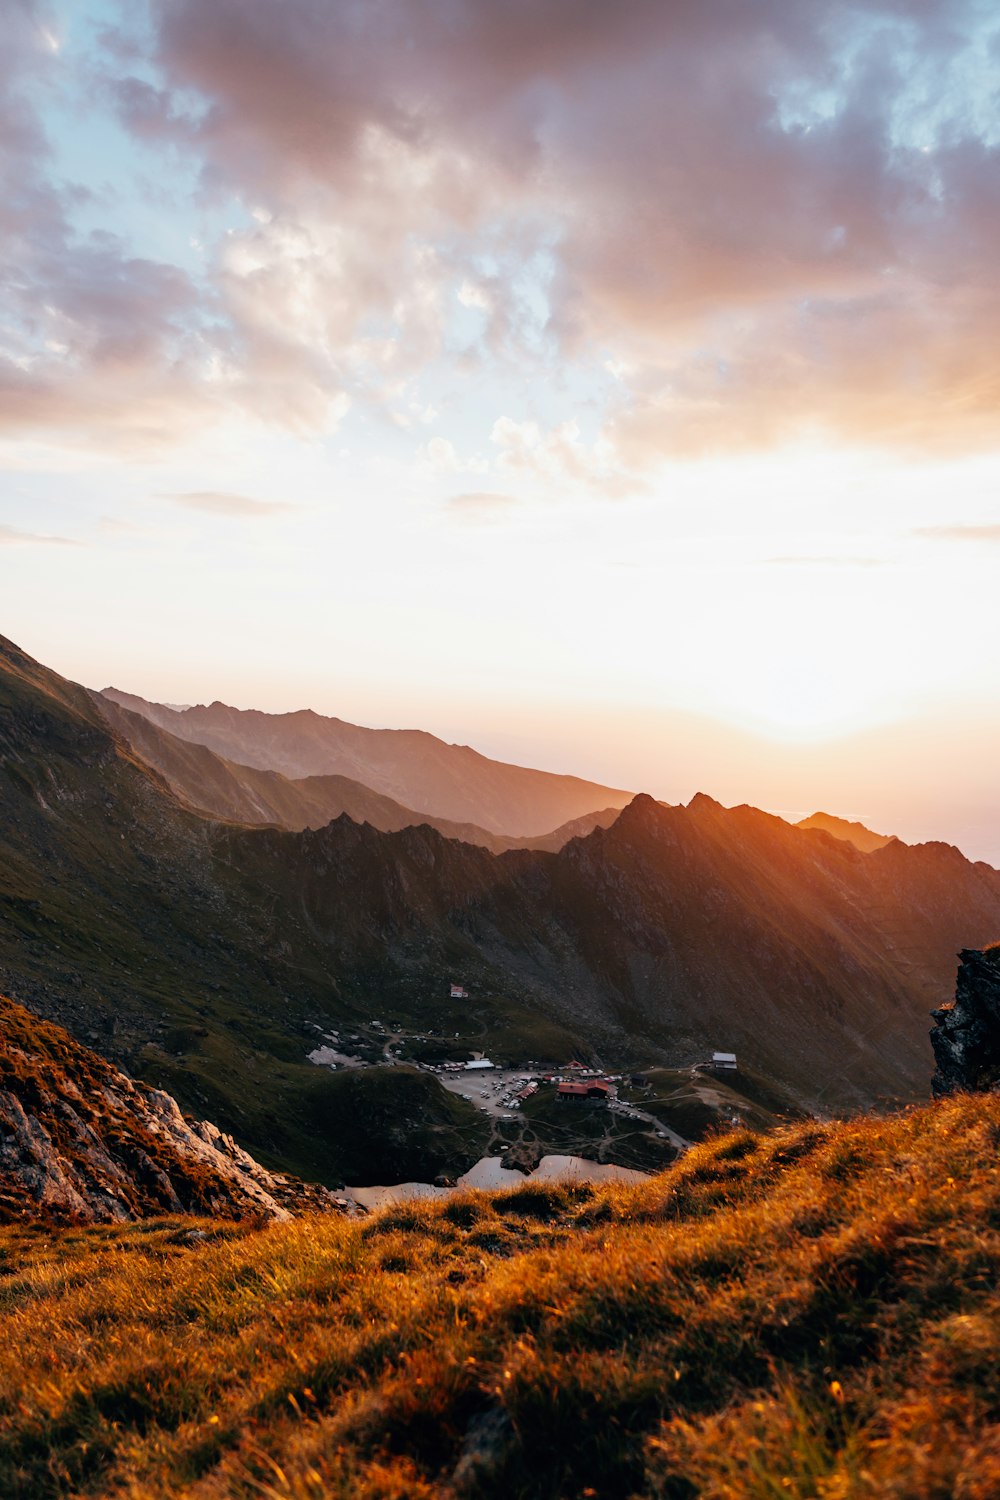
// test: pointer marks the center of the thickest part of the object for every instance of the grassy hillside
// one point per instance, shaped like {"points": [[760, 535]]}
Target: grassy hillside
{"points": [[811, 1313]]}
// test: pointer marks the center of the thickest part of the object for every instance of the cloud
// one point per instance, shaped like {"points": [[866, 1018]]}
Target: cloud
{"points": [[479, 506], [560, 455], [775, 219], [769, 220], [987, 533], [95, 341], [220, 503], [10, 536]]}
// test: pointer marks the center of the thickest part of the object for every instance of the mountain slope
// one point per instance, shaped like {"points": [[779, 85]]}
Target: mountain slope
{"points": [[123, 916], [811, 1313], [852, 832], [687, 928], [245, 794], [412, 767], [80, 1142]]}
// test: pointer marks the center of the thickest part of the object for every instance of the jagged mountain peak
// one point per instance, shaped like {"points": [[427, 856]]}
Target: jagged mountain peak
{"points": [[702, 802]]}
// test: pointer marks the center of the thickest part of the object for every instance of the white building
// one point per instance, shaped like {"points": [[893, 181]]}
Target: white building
{"points": [[723, 1059], [479, 1065]]}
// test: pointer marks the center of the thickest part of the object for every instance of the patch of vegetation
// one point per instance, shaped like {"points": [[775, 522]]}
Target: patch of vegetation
{"points": [[697, 1104], [812, 1313], [593, 1132], [394, 1124]]}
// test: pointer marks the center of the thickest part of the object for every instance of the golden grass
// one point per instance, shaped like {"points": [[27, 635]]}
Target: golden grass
{"points": [[812, 1313]]}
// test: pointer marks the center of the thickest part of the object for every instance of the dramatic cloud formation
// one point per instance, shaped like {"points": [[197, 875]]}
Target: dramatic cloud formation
{"points": [[93, 338], [775, 217], [221, 504], [763, 219]]}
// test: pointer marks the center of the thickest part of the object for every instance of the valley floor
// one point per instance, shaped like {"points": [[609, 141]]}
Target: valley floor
{"points": [[809, 1313]]}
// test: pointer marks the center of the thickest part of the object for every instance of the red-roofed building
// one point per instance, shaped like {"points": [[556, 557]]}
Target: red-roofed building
{"points": [[591, 1092]]}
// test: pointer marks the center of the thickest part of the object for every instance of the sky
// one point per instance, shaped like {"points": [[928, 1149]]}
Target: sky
{"points": [[612, 387]]}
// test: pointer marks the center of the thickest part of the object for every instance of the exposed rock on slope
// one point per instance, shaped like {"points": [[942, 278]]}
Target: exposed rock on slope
{"points": [[966, 1035], [80, 1141], [414, 768], [245, 794]]}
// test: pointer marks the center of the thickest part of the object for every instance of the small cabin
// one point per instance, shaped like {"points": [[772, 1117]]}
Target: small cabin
{"points": [[724, 1060]]}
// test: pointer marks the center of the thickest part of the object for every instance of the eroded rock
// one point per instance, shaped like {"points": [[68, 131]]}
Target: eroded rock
{"points": [[80, 1141], [966, 1035]]}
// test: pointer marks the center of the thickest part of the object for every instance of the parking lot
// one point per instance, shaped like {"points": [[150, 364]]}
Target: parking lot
{"points": [[489, 1090]]}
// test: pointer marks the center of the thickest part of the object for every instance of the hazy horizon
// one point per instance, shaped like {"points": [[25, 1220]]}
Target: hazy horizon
{"points": [[673, 756]]}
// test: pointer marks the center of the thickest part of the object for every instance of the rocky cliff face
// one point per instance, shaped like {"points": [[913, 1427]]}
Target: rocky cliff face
{"points": [[966, 1035], [80, 1142]]}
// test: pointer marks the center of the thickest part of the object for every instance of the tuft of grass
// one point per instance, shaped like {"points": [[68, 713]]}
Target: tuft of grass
{"points": [[811, 1313]]}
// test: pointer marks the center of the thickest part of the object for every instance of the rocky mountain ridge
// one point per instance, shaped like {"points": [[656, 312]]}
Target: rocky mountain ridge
{"points": [[850, 830]]}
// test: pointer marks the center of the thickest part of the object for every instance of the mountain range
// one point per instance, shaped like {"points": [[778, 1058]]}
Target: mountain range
{"points": [[204, 954], [208, 782], [407, 765]]}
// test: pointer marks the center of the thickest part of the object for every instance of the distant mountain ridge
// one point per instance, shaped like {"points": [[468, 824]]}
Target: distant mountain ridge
{"points": [[411, 766], [245, 794], [852, 832], [205, 955]]}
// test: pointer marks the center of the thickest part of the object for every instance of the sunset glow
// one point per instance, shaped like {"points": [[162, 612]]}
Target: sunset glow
{"points": [[610, 387]]}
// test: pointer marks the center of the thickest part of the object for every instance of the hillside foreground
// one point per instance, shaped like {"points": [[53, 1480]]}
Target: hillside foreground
{"points": [[808, 1313]]}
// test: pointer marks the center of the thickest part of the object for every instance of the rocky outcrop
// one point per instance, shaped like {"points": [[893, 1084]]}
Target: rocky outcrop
{"points": [[81, 1142], [966, 1035]]}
